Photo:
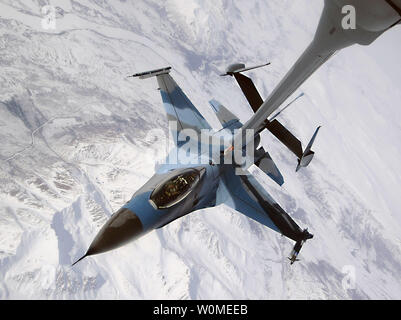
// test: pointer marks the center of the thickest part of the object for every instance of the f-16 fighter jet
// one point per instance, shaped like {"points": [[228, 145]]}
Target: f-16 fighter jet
{"points": [[200, 173]]}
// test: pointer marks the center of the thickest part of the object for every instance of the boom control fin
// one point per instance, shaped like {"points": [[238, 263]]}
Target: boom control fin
{"points": [[308, 154], [246, 84]]}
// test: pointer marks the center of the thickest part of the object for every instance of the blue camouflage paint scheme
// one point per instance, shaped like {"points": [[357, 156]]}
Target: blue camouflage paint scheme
{"points": [[237, 198], [226, 118], [140, 206], [215, 183], [218, 178], [152, 218], [178, 107]]}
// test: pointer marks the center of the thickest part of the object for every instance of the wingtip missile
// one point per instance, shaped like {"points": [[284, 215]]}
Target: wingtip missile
{"points": [[151, 73], [298, 245]]}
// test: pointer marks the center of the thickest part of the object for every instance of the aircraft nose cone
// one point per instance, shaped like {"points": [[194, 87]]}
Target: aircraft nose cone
{"points": [[122, 227]]}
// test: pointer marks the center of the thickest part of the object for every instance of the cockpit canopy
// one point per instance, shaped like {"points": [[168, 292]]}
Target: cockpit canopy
{"points": [[175, 189]]}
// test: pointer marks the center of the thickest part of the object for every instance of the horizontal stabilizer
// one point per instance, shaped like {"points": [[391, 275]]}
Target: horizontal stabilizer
{"points": [[265, 163]]}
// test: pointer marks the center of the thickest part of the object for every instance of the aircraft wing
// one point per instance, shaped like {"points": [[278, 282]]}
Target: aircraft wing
{"points": [[246, 195], [181, 113]]}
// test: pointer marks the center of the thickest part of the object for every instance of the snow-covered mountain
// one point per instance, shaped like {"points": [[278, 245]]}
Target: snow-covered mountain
{"points": [[76, 142]]}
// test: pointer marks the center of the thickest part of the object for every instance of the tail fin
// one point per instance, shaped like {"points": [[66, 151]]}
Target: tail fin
{"points": [[225, 116]]}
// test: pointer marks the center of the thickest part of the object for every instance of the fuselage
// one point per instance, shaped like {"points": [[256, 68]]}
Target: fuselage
{"points": [[175, 190]]}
